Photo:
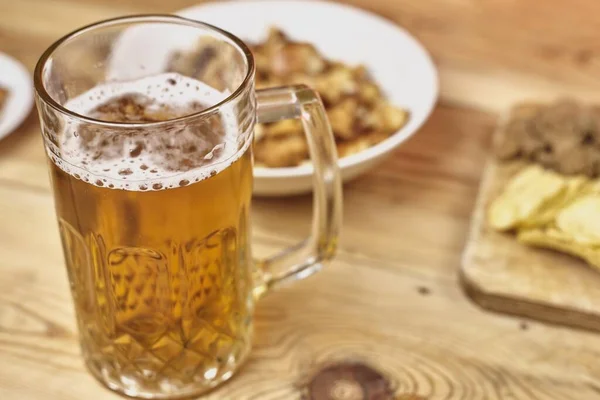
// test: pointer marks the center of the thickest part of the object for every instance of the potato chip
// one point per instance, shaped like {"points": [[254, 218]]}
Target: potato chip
{"points": [[559, 241], [524, 196], [548, 211], [581, 220]]}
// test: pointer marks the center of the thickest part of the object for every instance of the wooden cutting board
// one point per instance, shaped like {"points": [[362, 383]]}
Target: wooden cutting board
{"points": [[503, 275]]}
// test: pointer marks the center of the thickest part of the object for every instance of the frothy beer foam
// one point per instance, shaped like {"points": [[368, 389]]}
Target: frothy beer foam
{"points": [[149, 158]]}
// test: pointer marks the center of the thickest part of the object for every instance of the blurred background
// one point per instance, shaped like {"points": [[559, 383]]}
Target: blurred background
{"points": [[389, 318]]}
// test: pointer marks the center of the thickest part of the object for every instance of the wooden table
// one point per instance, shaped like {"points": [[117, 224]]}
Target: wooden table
{"points": [[392, 298]]}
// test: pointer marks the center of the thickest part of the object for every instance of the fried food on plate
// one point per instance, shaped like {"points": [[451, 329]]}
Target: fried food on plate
{"points": [[360, 115], [358, 112]]}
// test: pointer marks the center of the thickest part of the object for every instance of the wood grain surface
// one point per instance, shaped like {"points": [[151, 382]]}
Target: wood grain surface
{"points": [[392, 299]]}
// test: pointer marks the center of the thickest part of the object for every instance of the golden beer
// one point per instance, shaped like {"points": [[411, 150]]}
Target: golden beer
{"points": [[160, 279], [160, 275]]}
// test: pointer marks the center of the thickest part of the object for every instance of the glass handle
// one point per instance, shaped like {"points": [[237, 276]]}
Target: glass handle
{"points": [[308, 256]]}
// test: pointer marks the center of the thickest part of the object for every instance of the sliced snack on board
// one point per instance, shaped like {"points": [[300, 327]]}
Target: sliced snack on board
{"points": [[526, 195], [553, 201], [533, 262], [575, 230]]}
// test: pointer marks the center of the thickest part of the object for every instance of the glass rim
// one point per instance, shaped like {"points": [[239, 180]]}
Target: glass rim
{"points": [[43, 94]]}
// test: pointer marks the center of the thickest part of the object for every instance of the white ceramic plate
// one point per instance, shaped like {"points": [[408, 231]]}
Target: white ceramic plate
{"points": [[398, 63], [14, 77]]}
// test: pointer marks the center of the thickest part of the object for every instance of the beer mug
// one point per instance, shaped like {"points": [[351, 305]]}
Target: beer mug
{"points": [[149, 147]]}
